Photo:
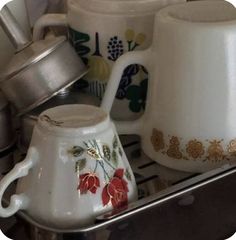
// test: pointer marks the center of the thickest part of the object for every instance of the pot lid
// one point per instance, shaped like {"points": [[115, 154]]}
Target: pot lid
{"points": [[30, 55]]}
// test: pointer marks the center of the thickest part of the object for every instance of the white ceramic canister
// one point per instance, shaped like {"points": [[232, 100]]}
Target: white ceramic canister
{"points": [[189, 123], [101, 31]]}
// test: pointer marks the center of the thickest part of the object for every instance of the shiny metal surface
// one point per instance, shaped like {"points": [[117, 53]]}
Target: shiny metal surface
{"points": [[43, 79], [13, 30], [39, 71], [6, 127], [172, 205]]}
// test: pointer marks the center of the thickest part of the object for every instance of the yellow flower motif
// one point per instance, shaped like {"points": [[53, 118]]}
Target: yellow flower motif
{"points": [[195, 149], [215, 151], [140, 38], [174, 151], [232, 147], [157, 140], [129, 35]]}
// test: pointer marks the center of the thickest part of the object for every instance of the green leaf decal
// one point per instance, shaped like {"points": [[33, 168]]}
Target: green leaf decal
{"points": [[115, 142], [106, 151], [127, 174], [80, 164], [114, 158], [120, 152], [79, 40], [76, 151]]}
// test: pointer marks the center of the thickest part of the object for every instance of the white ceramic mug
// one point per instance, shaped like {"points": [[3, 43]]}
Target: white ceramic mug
{"points": [[75, 169], [189, 122], [7, 50], [101, 31]]}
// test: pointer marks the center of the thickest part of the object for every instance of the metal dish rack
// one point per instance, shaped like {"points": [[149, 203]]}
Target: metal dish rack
{"points": [[172, 205]]}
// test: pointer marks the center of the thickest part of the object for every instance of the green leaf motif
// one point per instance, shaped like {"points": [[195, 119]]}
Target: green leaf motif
{"points": [[114, 158], [127, 174], [120, 152], [106, 151], [115, 142], [76, 151], [80, 164]]}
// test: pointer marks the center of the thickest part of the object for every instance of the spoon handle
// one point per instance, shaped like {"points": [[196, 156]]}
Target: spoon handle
{"points": [[13, 30]]}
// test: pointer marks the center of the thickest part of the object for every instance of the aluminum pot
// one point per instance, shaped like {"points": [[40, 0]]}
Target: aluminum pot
{"points": [[28, 121], [8, 135], [39, 70]]}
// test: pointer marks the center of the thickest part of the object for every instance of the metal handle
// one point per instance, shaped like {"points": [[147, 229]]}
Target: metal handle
{"points": [[13, 30]]}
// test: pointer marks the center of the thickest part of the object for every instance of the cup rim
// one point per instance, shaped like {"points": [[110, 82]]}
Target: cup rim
{"points": [[121, 7], [97, 120]]}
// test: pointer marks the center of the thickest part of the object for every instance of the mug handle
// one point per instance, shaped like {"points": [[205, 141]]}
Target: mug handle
{"points": [[48, 20], [21, 169], [136, 57]]}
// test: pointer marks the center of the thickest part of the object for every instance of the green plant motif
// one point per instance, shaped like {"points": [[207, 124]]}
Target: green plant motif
{"points": [[114, 157], [120, 151], [115, 142], [128, 175], [80, 165], [137, 96], [76, 151], [102, 154], [106, 151], [77, 40]]}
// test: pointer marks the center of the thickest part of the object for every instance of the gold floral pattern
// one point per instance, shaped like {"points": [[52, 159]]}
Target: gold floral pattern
{"points": [[214, 150], [195, 149], [232, 147], [173, 150], [157, 140]]}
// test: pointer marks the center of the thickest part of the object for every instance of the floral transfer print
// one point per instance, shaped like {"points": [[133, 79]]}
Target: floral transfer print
{"points": [[205, 150], [78, 40], [133, 41], [157, 140], [137, 96], [195, 149], [88, 182], [215, 151], [232, 147], [173, 150], [115, 189]]}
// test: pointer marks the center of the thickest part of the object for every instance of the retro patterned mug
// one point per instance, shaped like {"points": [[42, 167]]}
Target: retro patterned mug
{"points": [[75, 169], [101, 31], [189, 122]]}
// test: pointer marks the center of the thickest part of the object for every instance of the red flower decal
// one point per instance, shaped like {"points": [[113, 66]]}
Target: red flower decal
{"points": [[88, 182], [116, 190]]}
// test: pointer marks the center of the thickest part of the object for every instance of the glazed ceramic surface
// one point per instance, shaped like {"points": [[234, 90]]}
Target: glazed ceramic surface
{"points": [[78, 169], [101, 31], [29, 120], [189, 122]]}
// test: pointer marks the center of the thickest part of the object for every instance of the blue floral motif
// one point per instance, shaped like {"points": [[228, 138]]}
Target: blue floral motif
{"points": [[126, 80]]}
